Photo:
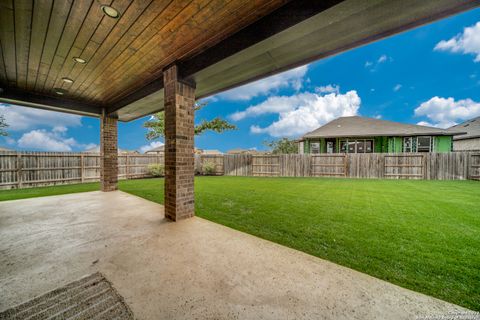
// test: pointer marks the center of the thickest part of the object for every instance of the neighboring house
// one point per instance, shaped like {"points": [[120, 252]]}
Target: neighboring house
{"points": [[158, 150], [246, 151], [470, 141], [366, 135], [120, 151], [161, 151], [4, 149], [211, 152]]}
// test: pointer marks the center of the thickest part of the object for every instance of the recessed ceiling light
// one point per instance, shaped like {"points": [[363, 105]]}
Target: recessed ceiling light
{"points": [[111, 12], [79, 60], [60, 91], [67, 80]]}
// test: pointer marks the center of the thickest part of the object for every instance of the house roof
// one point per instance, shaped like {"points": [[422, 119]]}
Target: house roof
{"points": [[470, 127], [214, 151], [157, 149], [97, 150], [368, 127]]}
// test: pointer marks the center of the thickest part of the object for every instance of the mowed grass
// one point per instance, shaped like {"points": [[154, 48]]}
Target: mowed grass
{"points": [[421, 235], [15, 194]]}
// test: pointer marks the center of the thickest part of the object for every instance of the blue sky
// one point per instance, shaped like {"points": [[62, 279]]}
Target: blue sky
{"points": [[429, 75]]}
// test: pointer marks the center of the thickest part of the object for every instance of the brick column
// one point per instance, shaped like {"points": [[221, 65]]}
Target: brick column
{"points": [[179, 100], [108, 153]]}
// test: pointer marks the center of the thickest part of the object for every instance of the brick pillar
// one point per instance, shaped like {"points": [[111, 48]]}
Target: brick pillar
{"points": [[179, 100], [108, 153]]}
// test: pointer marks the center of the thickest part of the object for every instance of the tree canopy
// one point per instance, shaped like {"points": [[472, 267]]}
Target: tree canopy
{"points": [[282, 146], [3, 125], [156, 125]]}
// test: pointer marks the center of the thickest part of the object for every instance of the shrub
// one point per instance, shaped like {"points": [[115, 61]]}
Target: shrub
{"points": [[156, 169], [208, 168]]}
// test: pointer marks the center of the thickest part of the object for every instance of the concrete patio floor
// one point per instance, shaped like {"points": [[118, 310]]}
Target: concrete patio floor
{"points": [[193, 269]]}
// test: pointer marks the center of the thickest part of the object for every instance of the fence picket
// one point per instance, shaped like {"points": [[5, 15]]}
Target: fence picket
{"points": [[29, 169]]}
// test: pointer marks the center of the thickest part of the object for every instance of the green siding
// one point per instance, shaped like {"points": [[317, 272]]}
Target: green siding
{"points": [[323, 146], [386, 144], [442, 144], [381, 144], [306, 147], [395, 144]]}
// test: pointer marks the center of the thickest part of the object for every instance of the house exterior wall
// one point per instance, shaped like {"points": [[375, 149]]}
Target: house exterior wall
{"points": [[386, 144], [466, 145], [443, 144]]}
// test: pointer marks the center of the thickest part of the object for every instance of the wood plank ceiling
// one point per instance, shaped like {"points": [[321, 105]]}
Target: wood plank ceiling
{"points": [[40, 39]]}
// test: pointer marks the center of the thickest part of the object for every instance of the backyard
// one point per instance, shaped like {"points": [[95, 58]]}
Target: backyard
{"points": [[421, 235]]}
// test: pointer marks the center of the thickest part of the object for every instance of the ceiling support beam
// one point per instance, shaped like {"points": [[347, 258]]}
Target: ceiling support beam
{"points": [[28, 99]]}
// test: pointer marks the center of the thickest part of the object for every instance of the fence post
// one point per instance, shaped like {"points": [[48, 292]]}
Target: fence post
{"points": [[82, 166], [424, 162], [127, 163], [19, 170]]}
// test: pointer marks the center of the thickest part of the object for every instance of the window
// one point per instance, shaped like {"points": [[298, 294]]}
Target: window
{"points": [[407, 144], [360, 146], [351, 146], [315, 147], [330, 146], [368, 146], [356, 146], [424, 144]]}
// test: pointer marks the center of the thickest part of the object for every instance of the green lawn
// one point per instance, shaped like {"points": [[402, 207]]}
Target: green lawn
{"points": [[421, 235], [47, 191]]}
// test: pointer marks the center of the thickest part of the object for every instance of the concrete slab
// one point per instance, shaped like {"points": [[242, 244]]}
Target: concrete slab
{"points": [[193, 269]]}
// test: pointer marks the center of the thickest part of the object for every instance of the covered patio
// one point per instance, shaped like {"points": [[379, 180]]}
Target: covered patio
{"points": [[193, 269], [121, 60]]}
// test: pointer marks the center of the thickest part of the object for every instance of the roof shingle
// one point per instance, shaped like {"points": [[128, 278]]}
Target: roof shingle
{"points": [[368, 127]]}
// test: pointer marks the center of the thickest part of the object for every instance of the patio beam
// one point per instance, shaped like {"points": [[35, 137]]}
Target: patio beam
{"points": [[108, 152], [179, 156]]}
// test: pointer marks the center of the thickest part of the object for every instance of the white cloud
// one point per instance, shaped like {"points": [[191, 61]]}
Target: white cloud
{"points": [[89, 146], [23, 118], [289, 79], [467, 42], [383, 58], [446, 112], [42, 139], [335, 88], [302, 112], [425, 123], [378, 116], [374, 65], [151, 145], [397, 87]]}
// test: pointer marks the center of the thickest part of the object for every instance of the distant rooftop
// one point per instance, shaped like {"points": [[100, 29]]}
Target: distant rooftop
{"points": [[368, 127], [97, 150], [156, 149], [471, 127]]}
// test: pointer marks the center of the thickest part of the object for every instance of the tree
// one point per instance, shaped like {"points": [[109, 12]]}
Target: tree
{"points": [[282, 146], [3, 125], [156, 125]]}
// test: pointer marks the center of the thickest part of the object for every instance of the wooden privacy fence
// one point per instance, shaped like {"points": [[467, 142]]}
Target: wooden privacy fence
{"points": [[29, 169], [475, 166], [430, 166]]}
